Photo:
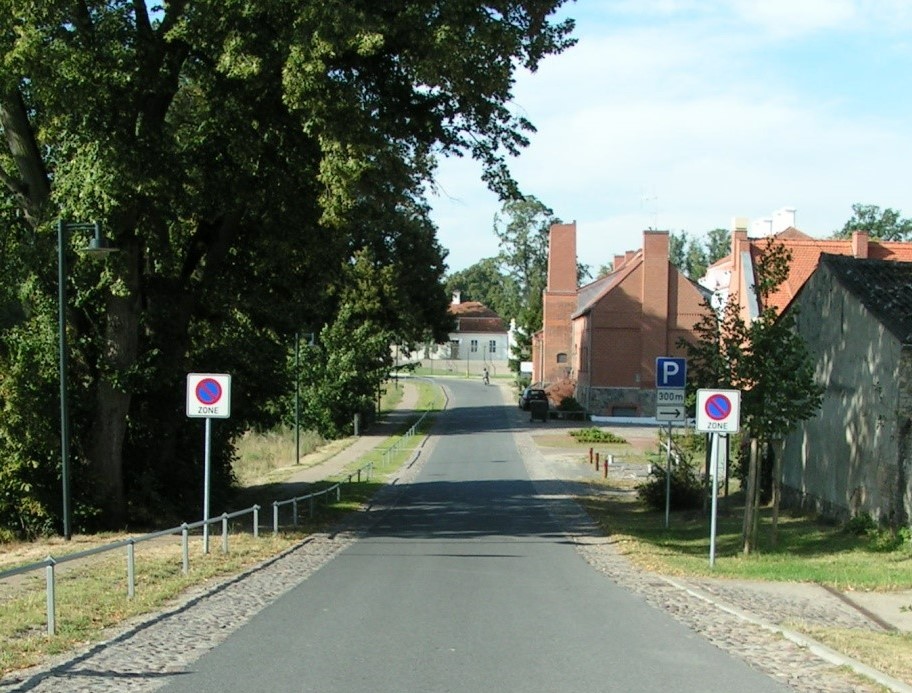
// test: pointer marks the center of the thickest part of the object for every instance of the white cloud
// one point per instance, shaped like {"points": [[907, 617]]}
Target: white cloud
{"points": [[790, 17], [697, 114]]}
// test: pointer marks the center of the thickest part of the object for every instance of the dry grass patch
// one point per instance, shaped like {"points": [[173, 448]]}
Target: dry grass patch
{"points": [[890, 653], [263, 457], [92, 593]]}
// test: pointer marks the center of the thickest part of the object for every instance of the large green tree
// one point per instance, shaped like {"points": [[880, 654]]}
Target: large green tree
{"points": [[239, 154], [486, 282], [884, 225], [522, 228]]}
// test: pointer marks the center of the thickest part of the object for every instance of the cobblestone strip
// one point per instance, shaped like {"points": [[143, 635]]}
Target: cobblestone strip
{"points": [[144, 654], [790, 663]]}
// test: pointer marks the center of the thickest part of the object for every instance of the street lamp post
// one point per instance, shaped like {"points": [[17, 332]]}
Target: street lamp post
{"points": [[97, 246], [297, 402]]}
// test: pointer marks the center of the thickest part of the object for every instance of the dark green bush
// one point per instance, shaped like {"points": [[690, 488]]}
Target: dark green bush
{"points": [[860, 524], [570, 404], [686, 487]]}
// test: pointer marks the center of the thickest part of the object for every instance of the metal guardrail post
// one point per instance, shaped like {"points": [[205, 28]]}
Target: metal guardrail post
{"points": [[338, 492], [256, 521], [224, 532], [51, 598], [131, 568], [185, 549], [275, 517]]}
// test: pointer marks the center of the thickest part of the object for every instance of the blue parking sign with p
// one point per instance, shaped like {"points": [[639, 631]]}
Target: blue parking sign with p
{"points": [[671, 372]]}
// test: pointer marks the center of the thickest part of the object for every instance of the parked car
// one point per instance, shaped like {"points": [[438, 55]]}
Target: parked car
{"points": [[530, 394]]}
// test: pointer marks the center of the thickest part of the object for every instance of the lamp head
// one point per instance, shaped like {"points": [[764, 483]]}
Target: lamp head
{"points": [[98, 244]]}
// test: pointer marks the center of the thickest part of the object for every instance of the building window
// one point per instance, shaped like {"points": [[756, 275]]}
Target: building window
{"points": [[624, 410], [492, 346], [562, 358], [454, 349], [473, 346]]}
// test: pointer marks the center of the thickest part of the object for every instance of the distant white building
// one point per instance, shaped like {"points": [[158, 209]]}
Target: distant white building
{"points": [[481, 340]]}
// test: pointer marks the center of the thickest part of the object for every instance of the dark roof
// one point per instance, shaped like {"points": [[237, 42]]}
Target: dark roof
{"points": [[884, 287]]}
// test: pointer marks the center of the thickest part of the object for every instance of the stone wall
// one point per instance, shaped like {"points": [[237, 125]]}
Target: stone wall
{"points": [[608, 401]]}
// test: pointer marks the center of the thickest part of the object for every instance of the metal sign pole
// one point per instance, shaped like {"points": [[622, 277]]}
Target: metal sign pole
{"points": [[206, 485], [668, 479], [297, 403], [714, 475]]}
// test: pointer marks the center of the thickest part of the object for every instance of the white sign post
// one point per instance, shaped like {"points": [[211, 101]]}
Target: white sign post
{"points": [[715, 438], [718, 413], [208, 397]]}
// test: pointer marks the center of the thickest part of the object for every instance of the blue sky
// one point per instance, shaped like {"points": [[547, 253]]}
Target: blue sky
{"points": [[683, 114]]}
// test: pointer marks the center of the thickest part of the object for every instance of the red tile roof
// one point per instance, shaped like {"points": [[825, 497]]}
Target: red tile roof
{"points": [[806, 253], [473, 316]]}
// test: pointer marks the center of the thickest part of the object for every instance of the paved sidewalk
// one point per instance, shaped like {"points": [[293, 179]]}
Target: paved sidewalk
{"points": [[392, 423]]}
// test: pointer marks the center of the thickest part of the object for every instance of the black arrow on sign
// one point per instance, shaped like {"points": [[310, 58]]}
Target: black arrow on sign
{"points": [[676, 412]]}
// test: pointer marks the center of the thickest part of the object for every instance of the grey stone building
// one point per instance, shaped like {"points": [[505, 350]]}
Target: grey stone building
{"points": [[854, 456]]}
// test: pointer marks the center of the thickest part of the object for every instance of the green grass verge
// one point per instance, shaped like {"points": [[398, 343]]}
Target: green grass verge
{"points": [[806, 550]]}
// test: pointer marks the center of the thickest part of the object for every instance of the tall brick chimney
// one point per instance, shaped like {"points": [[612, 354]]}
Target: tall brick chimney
{"points": [[558, 303], [562, 257], [655, 303]]}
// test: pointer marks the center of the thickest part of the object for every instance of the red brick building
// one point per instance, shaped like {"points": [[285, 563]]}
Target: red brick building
{"points": [[606, 336]]}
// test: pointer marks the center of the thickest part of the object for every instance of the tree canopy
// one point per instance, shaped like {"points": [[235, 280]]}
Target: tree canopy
{"points": [[883, 225], [693, 256], [251, 160]]}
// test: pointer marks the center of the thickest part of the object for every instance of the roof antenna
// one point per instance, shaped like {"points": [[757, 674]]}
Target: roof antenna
{"points": [[653, 201]]}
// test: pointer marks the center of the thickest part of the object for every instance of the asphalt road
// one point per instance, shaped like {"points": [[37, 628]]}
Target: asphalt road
{"points": [[467, 583]]}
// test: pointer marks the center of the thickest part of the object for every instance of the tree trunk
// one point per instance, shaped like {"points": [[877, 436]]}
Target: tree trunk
{"points": [[750, 499], [112, 404], [758, 492], [33, 189], [777, 489]]}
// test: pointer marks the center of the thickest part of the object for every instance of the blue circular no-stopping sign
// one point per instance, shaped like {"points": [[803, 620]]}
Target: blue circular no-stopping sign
{"points": [[718, 407], [209, 391]]}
